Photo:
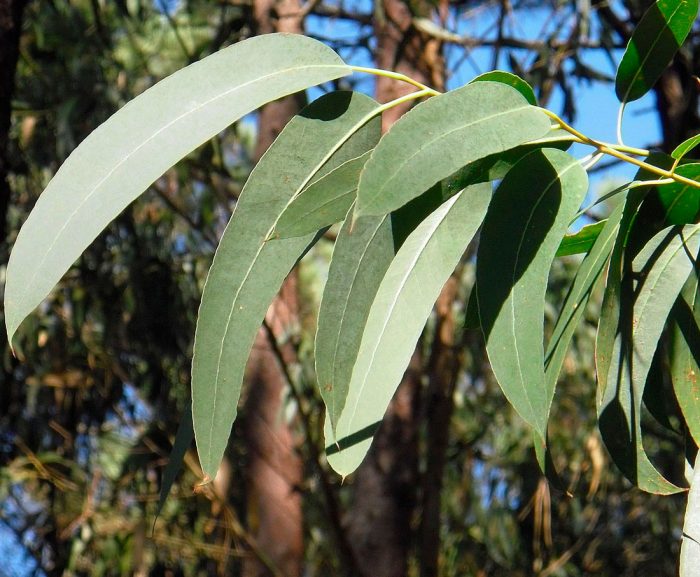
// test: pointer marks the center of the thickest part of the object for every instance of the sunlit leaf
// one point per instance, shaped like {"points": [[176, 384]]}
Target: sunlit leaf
{"points": [[399, 311], [324, 202], [685, 147], [248, 269], [690, 545], [529, 215], [441, 135], [658, 36], [510, 79], [657, 275], [120, 159]]}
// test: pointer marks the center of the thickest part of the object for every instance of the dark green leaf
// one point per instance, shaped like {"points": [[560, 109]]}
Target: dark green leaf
{"points": [[657, 275], [511, 80], [580, 242], [529, 215], [681, 201], [658, 36]]}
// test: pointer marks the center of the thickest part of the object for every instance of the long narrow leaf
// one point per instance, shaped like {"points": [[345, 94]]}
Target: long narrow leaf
{"points": [[529, 215], [658, 36], [248, 269], [324, 202], [397, 316], [690, 545], [440, 136], [120, 159], [657, 276]]}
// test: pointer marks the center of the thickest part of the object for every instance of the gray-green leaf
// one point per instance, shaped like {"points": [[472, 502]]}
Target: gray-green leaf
{"points": [[324, 202], [397, 316], [441, 135], [120, 159], [657, 276], [509, 79], [529, 215], [658, 36], [248, 269], [690, 545]]}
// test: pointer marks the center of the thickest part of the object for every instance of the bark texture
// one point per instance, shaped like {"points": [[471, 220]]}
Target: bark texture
{"points": [[274, 467]]}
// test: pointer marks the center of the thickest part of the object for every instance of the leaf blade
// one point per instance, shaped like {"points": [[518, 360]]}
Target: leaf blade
{"points": [[397, 316], [492, 117], [513, 263], [137, 144], [248, 269]]}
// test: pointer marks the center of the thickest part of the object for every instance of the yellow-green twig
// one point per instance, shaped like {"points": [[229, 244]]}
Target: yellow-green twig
{"points": [[396, 76]]}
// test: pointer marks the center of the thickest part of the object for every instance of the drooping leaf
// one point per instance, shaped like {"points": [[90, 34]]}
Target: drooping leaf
{"points": [[681, 201], [363, 252], [685, 147], [248, 269], [658, 36], [324, 202], [510, 79], [183, 440], [581, 241], [685, 352], [398, 313], [120, 159], [528, 216], [657, 276], [575, 303], [441, 135], [690, 545]]}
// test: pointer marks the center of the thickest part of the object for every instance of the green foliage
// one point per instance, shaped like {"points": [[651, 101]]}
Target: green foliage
{"points": [[412, 202]]}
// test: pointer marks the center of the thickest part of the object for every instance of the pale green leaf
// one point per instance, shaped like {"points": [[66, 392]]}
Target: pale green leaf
{"points": [[690, 545], [657, 275], [324, 202], [248, 269], [399, 311], [529, 215], [658, 36], [120, 159], [511, 80], [685, 353], [441, 135]]}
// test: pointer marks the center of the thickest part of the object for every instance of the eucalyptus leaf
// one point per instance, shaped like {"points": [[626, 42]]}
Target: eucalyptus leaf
{"points": [[528, 216], [685, 354], [657, 275], [582, 240], [509, 79], [440, 136], [680, 201], [398, 313], [658, 36], [685, 147], [248, 269], [324, 202], [120, 159], [690, 544]]}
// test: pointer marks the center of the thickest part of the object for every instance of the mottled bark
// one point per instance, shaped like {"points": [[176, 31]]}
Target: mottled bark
{"points": [[274, 467]]}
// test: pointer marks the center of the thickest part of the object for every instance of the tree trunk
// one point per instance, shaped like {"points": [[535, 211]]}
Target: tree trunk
{"points": [[379, 522], [274, 467]]}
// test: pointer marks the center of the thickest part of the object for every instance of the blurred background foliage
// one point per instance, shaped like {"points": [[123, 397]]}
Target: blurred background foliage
{"points": [[90, 406]]}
